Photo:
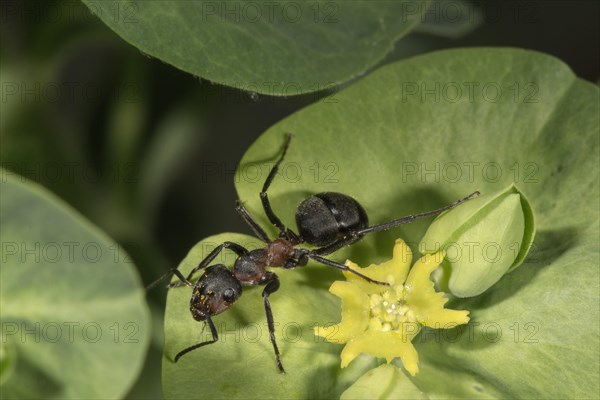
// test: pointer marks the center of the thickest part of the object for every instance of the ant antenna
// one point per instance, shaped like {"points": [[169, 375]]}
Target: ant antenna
{"points": [[411, 218], [166, 275]]}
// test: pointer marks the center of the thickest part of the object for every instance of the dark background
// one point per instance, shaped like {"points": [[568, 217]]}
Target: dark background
{"points": [[48, 42]]}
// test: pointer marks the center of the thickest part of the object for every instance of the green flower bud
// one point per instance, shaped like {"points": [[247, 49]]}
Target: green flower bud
{"points": [[484, 239]]}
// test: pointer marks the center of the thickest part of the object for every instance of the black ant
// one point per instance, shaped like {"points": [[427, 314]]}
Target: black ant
{"points": [[327, 220]]}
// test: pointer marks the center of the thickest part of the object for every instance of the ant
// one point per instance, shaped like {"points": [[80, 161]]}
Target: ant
{"points": [[328, 221]]}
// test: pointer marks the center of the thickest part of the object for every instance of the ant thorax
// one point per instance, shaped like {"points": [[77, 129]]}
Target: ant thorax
{"points": [[278, 252]]}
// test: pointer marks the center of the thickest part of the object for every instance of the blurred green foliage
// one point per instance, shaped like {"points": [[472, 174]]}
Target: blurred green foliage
{"points": [[148, 153], [72, 302]]}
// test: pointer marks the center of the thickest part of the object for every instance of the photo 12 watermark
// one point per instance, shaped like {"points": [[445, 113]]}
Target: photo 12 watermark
{"points": [[255, 12], [459, 11], [292, 332], [469, 171], [469, 92], [63, 252], [67, 92], [290, 172], [71, 332], [69, 172]]}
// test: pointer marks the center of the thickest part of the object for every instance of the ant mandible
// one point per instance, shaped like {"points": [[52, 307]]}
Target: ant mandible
{"points": [[326, 220]]}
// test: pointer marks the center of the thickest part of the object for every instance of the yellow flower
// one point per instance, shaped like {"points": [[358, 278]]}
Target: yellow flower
{"points": [[383, 320]]}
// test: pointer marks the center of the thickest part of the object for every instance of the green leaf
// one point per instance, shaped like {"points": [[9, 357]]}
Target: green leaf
{"points": [[396, 141], [74, 317], [384, 382], [276, 48]]}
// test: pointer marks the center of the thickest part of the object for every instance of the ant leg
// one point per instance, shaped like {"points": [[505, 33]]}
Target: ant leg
{"points": [[290, 264], [236, 248], [344, 268], [338, 244], [263, 194], [272, 286], [411, 218], [215, 337], [169, 273], [258, 231], [299, 258]]}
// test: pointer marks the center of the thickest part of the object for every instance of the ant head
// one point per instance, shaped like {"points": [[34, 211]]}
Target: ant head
{"points": [[216, 290]]}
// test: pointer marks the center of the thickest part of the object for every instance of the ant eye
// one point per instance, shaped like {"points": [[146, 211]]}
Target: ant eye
{"points": [[229, 294]]}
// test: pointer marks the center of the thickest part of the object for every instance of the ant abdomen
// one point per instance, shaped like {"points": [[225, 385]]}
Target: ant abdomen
{"points": [[326, 217]]}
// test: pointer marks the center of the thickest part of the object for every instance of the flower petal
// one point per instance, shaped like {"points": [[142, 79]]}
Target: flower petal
{"points": [[388, 345], [424, 301], [355, 313], [393, 271]]}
